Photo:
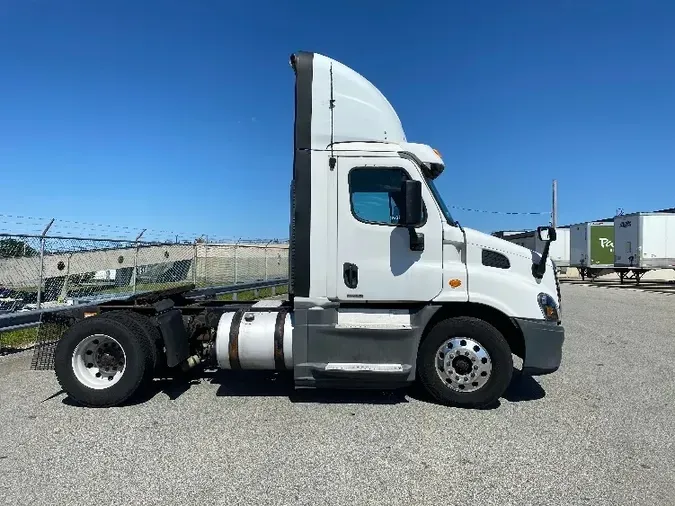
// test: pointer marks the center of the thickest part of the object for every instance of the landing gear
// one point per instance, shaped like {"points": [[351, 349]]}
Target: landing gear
{"points": [[635, 274], [590, 273]]}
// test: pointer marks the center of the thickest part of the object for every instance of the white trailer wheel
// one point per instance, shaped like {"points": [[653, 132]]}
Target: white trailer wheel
{"points": [[99, 361]]}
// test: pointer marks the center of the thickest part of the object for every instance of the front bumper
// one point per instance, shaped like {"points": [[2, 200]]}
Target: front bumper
{"points": [[543, 345]]}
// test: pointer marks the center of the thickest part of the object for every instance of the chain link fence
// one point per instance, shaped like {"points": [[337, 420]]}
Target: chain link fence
{"points": [[42, 271], [54, 263]]}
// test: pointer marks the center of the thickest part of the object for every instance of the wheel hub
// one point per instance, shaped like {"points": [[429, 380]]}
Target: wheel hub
{"points": [[463, 364], [107, 362], [99, 361]]}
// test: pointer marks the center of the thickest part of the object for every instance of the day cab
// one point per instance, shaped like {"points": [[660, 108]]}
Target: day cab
{"points": [[387, 286]]}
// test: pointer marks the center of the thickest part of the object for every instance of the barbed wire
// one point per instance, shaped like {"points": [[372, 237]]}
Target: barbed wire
{"points": [[97, 225], [21, 224]]}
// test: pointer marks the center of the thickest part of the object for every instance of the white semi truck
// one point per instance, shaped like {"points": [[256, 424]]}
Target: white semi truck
{"points": [[385, 287]]}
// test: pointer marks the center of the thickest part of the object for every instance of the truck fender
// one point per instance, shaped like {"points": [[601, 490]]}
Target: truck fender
{"points": [[174, 335]]}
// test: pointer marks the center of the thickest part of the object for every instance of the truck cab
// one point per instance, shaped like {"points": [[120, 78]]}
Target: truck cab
{"points": [[386, 288], [386, 285]]}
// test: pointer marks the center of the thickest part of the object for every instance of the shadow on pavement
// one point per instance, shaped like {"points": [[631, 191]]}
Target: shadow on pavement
{"points": [[522, 388], [275, 384], [10, 350], [265, 384], [173, 388]]}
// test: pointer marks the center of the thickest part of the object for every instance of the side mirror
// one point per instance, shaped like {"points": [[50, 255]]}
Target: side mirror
{"points": [[413, 212], [547, 234]]}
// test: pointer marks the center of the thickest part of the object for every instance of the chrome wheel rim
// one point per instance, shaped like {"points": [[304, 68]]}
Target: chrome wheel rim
{"points": [[99, 361], [463, 364]]}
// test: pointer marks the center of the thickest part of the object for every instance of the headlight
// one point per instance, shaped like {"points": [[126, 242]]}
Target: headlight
{"points": [[548, 307]]}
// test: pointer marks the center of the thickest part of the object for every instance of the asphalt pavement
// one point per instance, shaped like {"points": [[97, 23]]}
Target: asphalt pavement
{"points": [[601, 431]]}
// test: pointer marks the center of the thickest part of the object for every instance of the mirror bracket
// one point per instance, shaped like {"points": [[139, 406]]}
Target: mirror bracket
{"points": [[416, 239], [538, 269]]}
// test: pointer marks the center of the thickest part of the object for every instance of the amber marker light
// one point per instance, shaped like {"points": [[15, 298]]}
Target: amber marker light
{"points": [[454, 283]]}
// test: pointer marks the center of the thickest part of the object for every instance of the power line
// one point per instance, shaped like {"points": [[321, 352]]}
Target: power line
{"points": [[499, 212], [71, 225]]}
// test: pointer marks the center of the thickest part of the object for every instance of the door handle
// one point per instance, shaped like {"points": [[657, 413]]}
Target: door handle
{"points": [[350, 274]]}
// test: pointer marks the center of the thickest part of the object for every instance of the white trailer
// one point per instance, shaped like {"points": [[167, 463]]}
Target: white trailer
{"points": [[559, 249], [385, 286], [603, 247], [644, 241], [525, 239]]}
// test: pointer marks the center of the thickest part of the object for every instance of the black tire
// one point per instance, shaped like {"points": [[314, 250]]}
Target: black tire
{"points": [[139, 360], [149, 331], [487, 337], [154, 337]]}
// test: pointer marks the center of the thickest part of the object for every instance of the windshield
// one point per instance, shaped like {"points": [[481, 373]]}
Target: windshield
{"points": [[439, 199]]}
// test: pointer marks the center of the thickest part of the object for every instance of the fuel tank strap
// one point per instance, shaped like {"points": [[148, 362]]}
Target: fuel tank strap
{"points": [[279, 362], [233, 348]]}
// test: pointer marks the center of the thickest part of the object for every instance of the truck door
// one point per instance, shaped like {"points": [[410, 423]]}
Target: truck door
{"points": [[376, 258]]}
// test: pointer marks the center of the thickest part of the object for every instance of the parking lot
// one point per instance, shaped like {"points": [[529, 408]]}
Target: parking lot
{"points": [[599, 431]]}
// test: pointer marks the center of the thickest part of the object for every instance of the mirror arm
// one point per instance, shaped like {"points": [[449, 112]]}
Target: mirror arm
{"points": [[539, 268]]}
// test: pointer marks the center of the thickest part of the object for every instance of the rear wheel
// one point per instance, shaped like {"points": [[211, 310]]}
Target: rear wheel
{"points": [[465, 362], [149, 331], [102, 361]]}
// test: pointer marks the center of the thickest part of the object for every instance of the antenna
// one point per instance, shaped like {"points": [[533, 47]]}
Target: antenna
{"points": [[554, 205], [331, 162]]}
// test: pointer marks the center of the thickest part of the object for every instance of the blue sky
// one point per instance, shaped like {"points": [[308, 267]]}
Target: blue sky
{"points": [[177, 116]]}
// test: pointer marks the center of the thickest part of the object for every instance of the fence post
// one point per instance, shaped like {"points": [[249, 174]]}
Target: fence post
{"points": [[42, 262], [64, 288], [206, 261], [135, 273], [267, 247], [236, 260], [194, 264]]}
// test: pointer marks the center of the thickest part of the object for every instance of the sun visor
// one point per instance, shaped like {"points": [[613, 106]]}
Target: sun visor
{"points": [[427, 155]]}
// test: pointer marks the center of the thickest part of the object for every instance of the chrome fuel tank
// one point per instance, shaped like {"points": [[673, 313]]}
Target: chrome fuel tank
{"points": [[257, 339]]}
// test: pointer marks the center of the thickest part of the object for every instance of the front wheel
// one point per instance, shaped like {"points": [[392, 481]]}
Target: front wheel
{"points": [[465, 362]]}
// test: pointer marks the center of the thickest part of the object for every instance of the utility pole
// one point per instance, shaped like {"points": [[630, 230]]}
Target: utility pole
{"points": [[554, 208]]}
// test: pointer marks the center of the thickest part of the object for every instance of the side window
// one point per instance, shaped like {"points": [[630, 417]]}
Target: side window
{"points": [[375, 194]]}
